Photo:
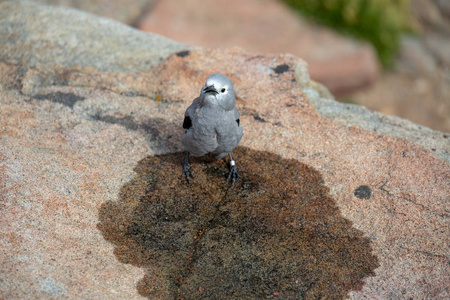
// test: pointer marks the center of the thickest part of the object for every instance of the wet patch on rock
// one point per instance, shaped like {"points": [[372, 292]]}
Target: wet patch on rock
{"points": [[280, 69], [363, 192], [277, 232], [258, 118], [132, 94], [183, 53]]}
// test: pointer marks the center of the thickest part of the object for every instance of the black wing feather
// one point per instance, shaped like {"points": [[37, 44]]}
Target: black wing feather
{"points": [[187, 122]]}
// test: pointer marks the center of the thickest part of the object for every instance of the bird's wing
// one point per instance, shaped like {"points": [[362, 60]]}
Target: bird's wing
{"points": [[236, 115], [187, 123], [189, 114]]}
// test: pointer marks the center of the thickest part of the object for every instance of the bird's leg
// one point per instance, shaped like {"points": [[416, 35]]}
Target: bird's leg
{"points": [[233, 175], [187, 169]]}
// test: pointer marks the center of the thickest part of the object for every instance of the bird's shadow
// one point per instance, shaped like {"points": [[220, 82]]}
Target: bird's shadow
{"points": [[277, 232], [164, 136]]}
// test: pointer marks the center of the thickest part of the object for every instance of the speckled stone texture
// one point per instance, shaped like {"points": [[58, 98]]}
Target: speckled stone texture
{"points": [[92, 205], [124, 11], [268, 26]]}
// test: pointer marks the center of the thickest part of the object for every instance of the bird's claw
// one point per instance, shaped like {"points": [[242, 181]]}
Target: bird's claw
{"points": [[186, 172], [233, 175]]}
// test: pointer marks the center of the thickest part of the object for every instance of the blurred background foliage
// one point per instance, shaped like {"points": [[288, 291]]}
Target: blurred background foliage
{"points": [[381, 22]]}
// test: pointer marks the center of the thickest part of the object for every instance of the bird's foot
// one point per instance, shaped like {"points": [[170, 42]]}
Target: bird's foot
{"points": [[233, 175], [186, 172]]}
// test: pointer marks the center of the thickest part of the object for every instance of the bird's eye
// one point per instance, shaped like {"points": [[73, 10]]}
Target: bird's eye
{"points": [[223, 90]]}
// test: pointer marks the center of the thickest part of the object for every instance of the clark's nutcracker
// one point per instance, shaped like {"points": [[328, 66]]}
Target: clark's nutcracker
{"points": [[212, 124]]}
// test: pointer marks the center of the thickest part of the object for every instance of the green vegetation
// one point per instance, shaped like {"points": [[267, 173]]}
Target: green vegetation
{"points": [[381, 22]]}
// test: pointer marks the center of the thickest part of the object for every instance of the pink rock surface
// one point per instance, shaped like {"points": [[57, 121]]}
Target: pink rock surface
{"points": [[60, 164], [74, 140], [124, 11], [267, 26]]}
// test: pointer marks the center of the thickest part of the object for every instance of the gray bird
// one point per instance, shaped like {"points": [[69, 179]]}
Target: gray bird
{"points": [[212, 124]]}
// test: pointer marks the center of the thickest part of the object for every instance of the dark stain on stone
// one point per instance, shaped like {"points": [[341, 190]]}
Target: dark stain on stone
{"points": [[132, 94], [280, 69], [277, 231], [67, 99], [15, 79], [183, 53], [258, 118], [363, 192]]}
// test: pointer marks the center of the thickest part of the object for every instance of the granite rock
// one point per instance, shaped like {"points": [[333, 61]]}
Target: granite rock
{"points": [[92, 205], [58, 35], [127, 12], [444, 7], [342, 64]]}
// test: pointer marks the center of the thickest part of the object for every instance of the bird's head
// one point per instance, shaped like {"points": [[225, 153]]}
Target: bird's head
{"points": [[218, 90]]}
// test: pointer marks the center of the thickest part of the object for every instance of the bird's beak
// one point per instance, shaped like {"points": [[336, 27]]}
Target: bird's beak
{"points": [[208, 89]]}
